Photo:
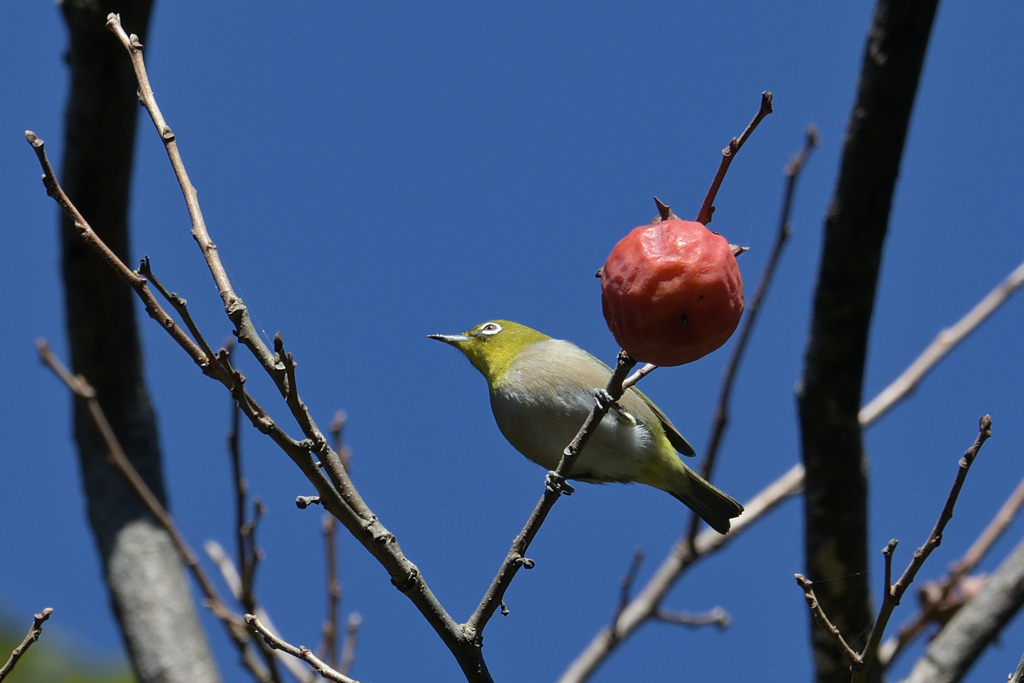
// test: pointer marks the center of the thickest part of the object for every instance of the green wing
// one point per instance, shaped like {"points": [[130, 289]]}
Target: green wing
{"points": [[674, 437]]}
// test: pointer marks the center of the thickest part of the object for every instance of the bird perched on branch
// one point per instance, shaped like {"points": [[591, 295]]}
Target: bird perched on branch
{"points": [[542, 391]]}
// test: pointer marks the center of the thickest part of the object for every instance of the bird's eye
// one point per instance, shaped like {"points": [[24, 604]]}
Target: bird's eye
{"points": [[490, 329]]}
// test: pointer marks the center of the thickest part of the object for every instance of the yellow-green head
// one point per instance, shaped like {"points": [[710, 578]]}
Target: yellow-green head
{"points": [[492, 346]]}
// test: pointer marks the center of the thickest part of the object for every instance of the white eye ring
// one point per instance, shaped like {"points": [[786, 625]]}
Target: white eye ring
{"points": [[490, 329]]}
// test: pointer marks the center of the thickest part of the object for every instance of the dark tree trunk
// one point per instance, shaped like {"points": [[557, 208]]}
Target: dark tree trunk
{"points": [[830, 393]]}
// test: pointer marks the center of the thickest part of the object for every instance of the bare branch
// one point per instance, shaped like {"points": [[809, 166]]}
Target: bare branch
{"points": [[708, 208], [1018, 675], [133, 279], [233, 304], [116, 456], [638, 375], [894, 593], [302, 653], [348, 649], [715, 617], [943, 344], [975, 626], [31, 637], [823, 621], [229, 573], [626, 584], [680, 558], [947, 587]]}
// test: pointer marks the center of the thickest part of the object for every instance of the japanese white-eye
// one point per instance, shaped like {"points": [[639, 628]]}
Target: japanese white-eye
{"points": [[542, 390]]}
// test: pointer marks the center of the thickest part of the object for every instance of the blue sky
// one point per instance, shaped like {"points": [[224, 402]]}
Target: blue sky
{"points": [[373, 173]]}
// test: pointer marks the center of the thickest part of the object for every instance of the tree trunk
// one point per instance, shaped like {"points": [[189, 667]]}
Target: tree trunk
{"points": [[829, 397]]}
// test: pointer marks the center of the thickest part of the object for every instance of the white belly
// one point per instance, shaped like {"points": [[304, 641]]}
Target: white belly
{"points": [[541, 428]]}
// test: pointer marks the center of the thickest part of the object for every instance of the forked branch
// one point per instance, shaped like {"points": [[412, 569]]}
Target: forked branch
{"points": [[33, 636], [893, 593]]}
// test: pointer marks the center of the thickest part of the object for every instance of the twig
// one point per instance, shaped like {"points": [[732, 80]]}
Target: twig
{"points": [[329, 638], [348, 650], [975, 626], [707, 208], [229, 573], [638, 375], [180, 305], [305, 654], [943, 344], [1018, 675], [133, 279], [626, 584], [233, 304], [680, 558], [822, 619], [554, 488], [117, 458], [721, 419], [715, 617], [33, 636], [914, 626], [893, 593], [248, 555]]}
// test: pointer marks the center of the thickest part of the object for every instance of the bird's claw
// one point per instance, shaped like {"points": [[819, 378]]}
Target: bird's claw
{"points": [[605, 401], [556, 483]]}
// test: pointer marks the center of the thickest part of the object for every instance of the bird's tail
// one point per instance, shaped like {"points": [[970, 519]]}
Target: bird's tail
{"points": [[713, 506]]}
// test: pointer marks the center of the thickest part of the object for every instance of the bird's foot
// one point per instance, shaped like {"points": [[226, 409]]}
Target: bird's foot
{"points": [[557, 483], [605, 401]]}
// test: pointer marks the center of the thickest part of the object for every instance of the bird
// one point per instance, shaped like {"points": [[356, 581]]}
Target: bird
{"points": [[543, 389]]}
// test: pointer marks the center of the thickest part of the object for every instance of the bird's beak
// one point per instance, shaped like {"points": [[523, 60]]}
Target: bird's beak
{"points": [[452, 339]]}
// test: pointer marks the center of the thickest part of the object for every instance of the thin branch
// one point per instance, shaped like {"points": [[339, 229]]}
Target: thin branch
{"points": [[943, 344], [229, 573], [721, 419], [348, 649], [117, 458], [822, 619], [708, 208], [638, 375], [305, 654], [946, 587], [329, 637], [626, 584], [180, 305], [133, 279], [861, 663], [894, 594], [715, 617], [554, 488], [233, 304], [31, 637], [1018, 675], [976, 626], [682, 556]]}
